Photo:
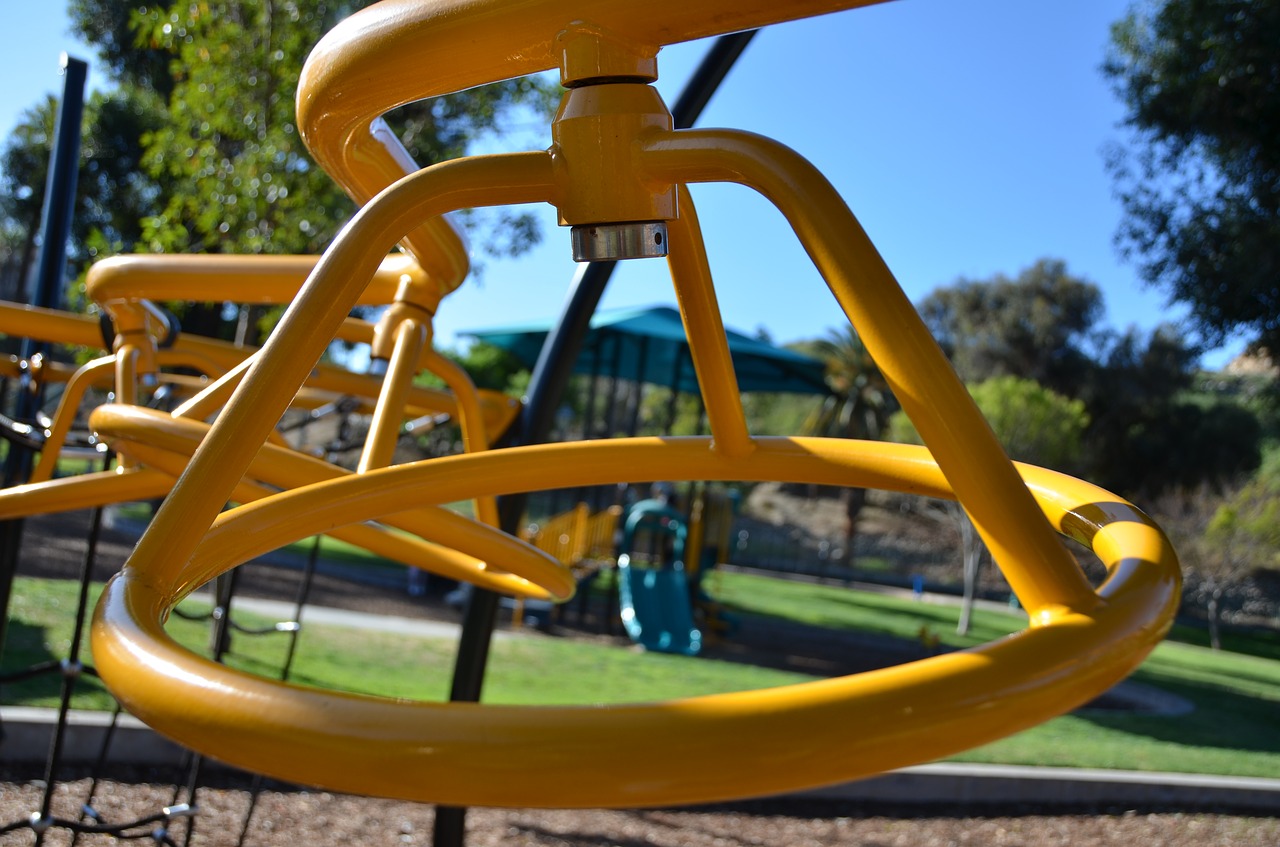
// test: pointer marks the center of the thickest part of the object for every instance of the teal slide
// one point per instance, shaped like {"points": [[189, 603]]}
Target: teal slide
{"points": [[654, 602]]}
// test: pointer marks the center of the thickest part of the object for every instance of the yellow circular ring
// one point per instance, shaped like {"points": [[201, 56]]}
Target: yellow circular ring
{"points": [[684, 751]]}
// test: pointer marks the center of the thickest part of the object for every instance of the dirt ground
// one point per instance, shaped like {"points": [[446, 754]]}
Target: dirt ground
{"points": [[293, 818], [286, 815]]}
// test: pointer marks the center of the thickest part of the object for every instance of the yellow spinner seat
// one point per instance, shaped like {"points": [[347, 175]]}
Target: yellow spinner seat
{"points": [[616, 168]]}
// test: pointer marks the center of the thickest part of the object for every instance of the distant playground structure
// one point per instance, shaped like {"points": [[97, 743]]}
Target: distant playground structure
{"points": [[196, 422]]}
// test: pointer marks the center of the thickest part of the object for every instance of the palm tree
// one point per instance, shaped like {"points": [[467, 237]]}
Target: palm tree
{"points": [[859, 406]]}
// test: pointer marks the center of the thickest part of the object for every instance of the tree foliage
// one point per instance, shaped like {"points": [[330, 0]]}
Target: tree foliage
{"points": [[860, 402], [1226, 539], [1200, 180], [1035, 325], [114, 193], [241, 179], [1250, 517], [1148, 433], [237, 177], [195, 148], [1033, 423], [1145, 434]]}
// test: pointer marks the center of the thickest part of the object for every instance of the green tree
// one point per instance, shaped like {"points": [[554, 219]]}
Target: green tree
{"points": [[113, 191], [1224, 537], [1200, 177], [239, 178], [1036, 325], [1147, 434], [24, 165], [858, 407], [195, 148], [1034, 425], [1144, 435], [491, 366], [109, 26]]}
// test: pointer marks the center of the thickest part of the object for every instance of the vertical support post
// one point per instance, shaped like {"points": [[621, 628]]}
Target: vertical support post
{"points": [[60, 192], [55, 225], [642, 363], [546, 387]]}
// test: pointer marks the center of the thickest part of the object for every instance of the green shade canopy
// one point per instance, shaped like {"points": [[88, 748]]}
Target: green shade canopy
{"points": [[649, 345]]}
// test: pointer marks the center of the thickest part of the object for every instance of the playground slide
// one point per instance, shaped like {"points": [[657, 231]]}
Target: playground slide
{"points": [[655, 609]]}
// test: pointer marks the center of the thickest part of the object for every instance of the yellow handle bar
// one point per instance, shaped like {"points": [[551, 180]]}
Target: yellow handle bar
{"points": [[242, 279]]}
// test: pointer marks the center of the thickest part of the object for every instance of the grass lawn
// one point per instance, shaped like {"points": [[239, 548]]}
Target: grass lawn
{"points": [[539, 671], [1234, 729]]}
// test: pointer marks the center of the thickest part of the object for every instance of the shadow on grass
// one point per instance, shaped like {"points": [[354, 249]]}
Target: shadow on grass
{"points": [[1223, 719], [29, 672]]}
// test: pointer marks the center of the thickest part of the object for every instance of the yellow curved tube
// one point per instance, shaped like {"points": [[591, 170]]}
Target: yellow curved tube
{"points": [[84, 491], [242, 279], [674, 752], [52, 325], [91, 373], [398, 51]]}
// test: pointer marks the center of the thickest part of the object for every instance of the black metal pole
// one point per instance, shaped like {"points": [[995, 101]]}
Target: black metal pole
{"points": [[615, 377], [55, 226], [546, 388]]}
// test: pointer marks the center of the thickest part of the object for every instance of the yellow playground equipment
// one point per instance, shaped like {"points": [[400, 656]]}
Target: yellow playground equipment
{"points": [[617, 173], [125, 286], [154, 447], [575, 537]]}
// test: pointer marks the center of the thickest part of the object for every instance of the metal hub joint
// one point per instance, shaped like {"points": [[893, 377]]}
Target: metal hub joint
{"points": [[604, 242]]}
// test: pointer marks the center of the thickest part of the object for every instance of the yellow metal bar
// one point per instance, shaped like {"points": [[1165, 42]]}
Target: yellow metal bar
{"points": [[470, 421], [677, 752], [214, 396], [308, 325], [217, 278], [708, 344], [126, 383], [407, 549], [1036, 564], [49, 325], [168, 442], [398, 51], [388, 415], [92, 373], [84, 491]]}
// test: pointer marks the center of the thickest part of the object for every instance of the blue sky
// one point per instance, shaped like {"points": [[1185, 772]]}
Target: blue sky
{"points": [[967, 137]]}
